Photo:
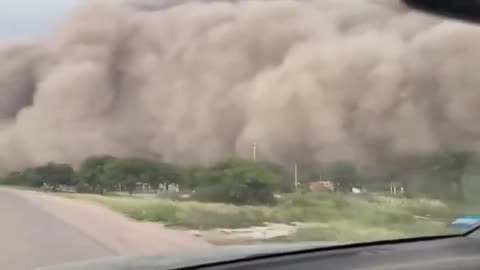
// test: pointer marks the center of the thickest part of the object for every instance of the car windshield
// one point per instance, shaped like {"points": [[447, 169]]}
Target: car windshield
{"points": [[139, 127]]}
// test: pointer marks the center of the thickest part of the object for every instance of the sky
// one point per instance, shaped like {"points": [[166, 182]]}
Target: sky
{"points": [[31, 18]]}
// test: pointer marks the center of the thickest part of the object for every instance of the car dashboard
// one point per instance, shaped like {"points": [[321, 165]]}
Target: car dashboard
{"points": [[459, 253]]}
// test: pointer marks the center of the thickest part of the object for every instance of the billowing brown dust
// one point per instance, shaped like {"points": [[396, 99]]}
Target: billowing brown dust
{"points": [[188, 82]]}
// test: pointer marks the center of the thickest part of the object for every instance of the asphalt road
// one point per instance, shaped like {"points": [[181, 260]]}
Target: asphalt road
{"points": [[31, 237]]}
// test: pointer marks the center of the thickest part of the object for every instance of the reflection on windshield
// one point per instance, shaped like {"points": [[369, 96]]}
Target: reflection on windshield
{"points": [[245, 121]]}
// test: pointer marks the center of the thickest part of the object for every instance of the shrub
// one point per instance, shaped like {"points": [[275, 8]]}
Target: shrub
{"points": [[236, 181], [83, 187]]}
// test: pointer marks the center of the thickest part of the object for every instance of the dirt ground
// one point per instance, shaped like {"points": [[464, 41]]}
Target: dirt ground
{"points": [[119, 233]]}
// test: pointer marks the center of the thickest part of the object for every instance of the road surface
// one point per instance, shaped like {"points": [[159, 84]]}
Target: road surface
{"points": [[31, 237]]}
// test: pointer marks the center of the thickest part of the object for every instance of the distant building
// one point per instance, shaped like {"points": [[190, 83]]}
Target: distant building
{"points": [[322, 186]]}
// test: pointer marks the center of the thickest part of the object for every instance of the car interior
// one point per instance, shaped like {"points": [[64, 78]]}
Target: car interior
{"points": [[426, 253]]}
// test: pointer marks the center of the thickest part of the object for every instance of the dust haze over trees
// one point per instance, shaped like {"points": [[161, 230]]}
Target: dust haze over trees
{"points": [[439, 175], [231, 180], [52, 174]]}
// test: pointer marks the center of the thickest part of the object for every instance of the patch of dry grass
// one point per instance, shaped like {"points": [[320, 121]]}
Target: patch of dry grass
{"points": [[344, 217]]}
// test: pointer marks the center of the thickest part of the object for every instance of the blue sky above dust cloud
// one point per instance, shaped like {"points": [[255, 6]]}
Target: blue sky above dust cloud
{"points": [[31, 18]]}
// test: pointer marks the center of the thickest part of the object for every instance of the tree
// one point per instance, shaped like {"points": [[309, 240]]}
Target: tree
{"points": [[162, 173], [237, 181], [128, 172], [14, 178], [32, 179], [343, 174], [53, 174], [91, 174], [286, 178], [436, 174], [445, 171], [195, 176]]}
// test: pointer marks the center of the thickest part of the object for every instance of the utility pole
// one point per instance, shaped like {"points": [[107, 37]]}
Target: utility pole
{"points": [[254, 152], [296, 177]]}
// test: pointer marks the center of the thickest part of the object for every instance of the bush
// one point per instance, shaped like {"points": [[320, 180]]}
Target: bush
{"points": [[14, 178], [236, 194], [83, 187], [236, 181], [301, 200]]}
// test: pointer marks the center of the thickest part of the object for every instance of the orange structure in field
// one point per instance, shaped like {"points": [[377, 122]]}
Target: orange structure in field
{"points": [[322, 186]]}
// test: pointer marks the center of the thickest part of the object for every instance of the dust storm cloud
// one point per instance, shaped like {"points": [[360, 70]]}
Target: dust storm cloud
{"points": [[188, 82]]}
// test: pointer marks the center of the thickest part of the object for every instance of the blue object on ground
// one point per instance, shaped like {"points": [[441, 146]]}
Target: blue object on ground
{"points": [[465, 222]]}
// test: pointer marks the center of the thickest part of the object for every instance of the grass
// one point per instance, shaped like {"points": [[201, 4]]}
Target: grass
{"points": [[352, 231], [338, 217], [20, 187], [187, 214]]}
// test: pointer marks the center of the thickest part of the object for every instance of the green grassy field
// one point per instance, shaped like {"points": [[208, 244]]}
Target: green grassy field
{"points": [[330, 217]]}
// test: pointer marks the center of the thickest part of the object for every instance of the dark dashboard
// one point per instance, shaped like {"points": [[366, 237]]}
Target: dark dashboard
{"points": [[460, 253]]}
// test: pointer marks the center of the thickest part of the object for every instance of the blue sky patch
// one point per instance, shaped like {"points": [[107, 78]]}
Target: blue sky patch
{"points": [[31, 19]]}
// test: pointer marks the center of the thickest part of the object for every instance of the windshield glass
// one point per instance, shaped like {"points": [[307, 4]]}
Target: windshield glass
{"points": [[143, 127]]}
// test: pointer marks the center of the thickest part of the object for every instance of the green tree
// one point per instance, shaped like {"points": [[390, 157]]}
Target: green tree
{"points": [[53, 174], [237, 181], [162, 173], [14, 178], [128, 172], [437, 174], [445, 172], [343, 174], [91, 175], [194, 177], [286, 178]]}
